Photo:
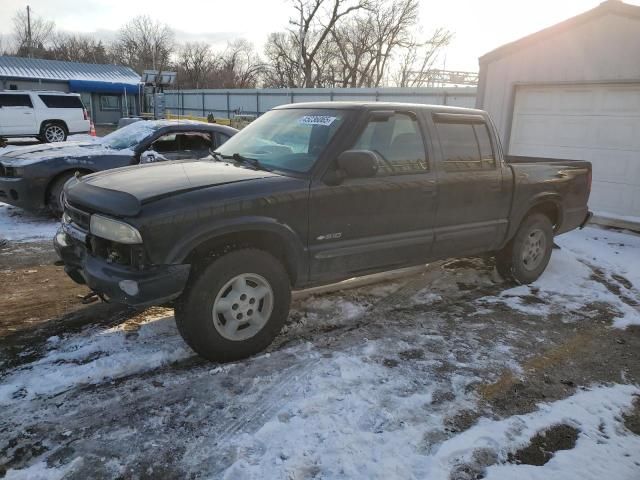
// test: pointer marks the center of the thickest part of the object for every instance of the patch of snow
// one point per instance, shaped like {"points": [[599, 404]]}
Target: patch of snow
{"points": [[21, 226], [568, 283], [604, 449], [426, 297], [83, 137], [96, 355], [41, 471]]}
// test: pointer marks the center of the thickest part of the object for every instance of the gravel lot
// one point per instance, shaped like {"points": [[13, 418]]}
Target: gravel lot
{"points": [[447, 374]]}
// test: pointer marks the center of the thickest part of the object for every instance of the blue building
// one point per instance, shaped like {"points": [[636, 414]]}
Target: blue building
{"points": [[108, 91]]}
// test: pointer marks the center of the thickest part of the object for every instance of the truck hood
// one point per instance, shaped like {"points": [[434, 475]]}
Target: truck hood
{"points": [[123, 191], [22, 156]]}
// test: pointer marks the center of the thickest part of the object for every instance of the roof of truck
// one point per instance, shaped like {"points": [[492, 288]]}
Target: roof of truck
{"points": [[381, 106]]}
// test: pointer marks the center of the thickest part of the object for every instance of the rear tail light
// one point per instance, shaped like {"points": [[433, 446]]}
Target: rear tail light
{"points": [[85, 113]]}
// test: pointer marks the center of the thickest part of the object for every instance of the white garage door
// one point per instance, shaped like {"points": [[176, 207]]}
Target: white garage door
{"points": [[599, 123]]}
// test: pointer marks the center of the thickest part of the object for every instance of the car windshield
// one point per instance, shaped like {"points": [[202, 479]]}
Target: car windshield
{"points": [[129, 136], [290, 139]]}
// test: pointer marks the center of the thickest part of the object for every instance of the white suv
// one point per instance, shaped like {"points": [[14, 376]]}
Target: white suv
{"points": [[50, 116]]}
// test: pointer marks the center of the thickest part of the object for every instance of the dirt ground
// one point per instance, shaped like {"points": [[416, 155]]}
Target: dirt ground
{"points": [[510, 362]]}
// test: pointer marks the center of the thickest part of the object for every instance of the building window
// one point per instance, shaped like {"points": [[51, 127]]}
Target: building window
{"points": [[109, 103], [13, 86]]}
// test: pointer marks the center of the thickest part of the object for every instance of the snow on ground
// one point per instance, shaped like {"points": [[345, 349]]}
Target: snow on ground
{"points": [[588, 266], [604, 449], [96, 356], [365, 384], [19, 225]]}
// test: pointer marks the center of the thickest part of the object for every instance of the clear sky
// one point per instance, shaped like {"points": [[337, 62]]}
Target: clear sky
{"points": [[479, 25]]}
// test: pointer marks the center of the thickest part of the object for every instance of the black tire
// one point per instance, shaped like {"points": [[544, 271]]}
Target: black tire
{"points": [[54, 200], [52, 132], [194, 310], [516, 262]]}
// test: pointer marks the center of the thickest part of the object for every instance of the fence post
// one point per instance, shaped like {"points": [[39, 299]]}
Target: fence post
{"points": [[228, 107], [203, 105], [257, 103], [182, 110], [291, 96]]}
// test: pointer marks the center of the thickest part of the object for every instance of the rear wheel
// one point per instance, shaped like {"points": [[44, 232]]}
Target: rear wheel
{"points": [[53, 132], [527, 255], [236, 306]]}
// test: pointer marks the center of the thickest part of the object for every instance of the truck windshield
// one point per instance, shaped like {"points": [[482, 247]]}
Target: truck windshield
{"points": [[291, 139]]}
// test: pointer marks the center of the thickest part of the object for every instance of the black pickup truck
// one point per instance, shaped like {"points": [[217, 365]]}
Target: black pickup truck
{"points": [[310, 194]]}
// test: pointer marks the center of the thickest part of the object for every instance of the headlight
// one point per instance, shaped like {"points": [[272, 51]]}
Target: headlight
{"points": [[66, 218], [12, 171], [114, 230]]}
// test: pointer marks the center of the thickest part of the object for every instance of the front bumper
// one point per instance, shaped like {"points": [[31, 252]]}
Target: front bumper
{"points": [[153, 285], [18, 192]]}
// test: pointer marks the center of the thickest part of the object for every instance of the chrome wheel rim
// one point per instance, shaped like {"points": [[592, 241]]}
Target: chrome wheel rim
{"points": [[54, 133], [242, 306], [533, 249]]}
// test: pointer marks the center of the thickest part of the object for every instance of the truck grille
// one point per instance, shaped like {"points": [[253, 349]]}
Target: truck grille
{"points": [[80, 218]]}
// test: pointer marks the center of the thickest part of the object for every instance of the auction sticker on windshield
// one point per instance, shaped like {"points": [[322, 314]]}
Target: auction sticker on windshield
{"points": [[316, 120]]}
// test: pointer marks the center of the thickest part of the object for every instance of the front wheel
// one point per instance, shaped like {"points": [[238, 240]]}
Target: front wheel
{"points": [[236, 306], [55, 202], [527, 255]]}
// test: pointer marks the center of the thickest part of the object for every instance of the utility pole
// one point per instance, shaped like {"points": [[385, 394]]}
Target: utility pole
{"points": [[29, 42], [302, 48]]}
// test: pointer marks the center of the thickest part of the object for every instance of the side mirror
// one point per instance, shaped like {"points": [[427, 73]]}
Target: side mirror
{"points": [[358, 163]]}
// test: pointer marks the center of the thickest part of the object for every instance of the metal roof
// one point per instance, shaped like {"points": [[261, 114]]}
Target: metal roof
{"points": [[615, 7], [39, 69]]}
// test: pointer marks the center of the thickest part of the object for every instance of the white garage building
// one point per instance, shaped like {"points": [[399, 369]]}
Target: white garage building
{"points": [[573, 91]]}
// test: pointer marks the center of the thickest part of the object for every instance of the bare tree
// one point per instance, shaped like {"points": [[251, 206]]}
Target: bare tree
{"points": [[239, 66], [144, 43], [367, 44], [416, 64], [31, 41], [350, 44], [77, 48], [283, 68], [304, 49], [195, 63]]}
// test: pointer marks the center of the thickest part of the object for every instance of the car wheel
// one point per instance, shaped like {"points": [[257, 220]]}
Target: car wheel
{"points": [[55, 202], [235, 307], [527, 255], [54, 132]]}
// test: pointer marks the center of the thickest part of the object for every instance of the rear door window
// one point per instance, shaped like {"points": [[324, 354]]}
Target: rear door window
{"points": [[465, 146], [61, 101], [15, 100]]}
